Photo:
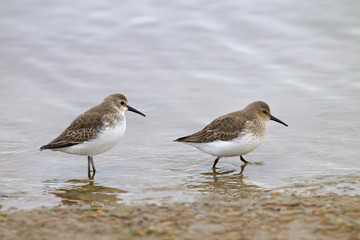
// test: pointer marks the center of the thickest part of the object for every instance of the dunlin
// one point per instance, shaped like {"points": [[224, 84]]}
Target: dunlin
{"points": [[96, 130], [233, 134]]}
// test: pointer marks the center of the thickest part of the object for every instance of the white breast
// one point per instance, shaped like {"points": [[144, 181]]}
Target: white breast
{"points": [[239, 146], [105, 140]]}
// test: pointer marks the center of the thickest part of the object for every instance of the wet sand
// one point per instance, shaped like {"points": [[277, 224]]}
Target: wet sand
{"points": [[254, 215]]}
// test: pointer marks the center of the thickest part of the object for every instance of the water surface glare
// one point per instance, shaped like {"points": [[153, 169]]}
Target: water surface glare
{"points": [[182, 63]]}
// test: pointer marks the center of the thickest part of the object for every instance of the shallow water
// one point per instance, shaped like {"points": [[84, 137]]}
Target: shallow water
{"points": [[182, 64]]}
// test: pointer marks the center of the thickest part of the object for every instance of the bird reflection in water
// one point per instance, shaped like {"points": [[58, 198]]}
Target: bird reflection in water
{"points": [[80, 191], [91, 175], [230, 182]]}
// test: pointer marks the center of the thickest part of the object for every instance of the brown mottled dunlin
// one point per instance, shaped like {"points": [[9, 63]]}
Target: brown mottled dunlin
{"points": [[233, 134], [96, 130]]}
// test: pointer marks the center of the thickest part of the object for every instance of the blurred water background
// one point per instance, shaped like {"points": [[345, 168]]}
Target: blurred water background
{"points": [[182, 63]]}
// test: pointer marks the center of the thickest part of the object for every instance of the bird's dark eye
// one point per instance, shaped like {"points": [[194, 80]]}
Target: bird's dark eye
{"points": [[264, 111], [122, 102]]}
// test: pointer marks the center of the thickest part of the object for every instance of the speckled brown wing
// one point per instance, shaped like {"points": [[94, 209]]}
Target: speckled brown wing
{"points": [[83, 128], [224, 128]]}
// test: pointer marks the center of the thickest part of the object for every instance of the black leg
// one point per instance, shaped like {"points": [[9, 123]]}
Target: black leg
{"points": [[215, 162], [92, 164], [242, 159], [91, 161]]}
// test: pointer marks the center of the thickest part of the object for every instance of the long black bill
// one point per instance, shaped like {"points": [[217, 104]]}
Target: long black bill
{"points": [[135, 111], [277, 120]]}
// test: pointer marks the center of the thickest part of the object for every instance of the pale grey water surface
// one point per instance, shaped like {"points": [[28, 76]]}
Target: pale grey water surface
{"points": [[182, 63]]}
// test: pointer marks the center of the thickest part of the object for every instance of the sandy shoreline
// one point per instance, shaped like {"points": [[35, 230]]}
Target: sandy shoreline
{"points": [[258, 215]]}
